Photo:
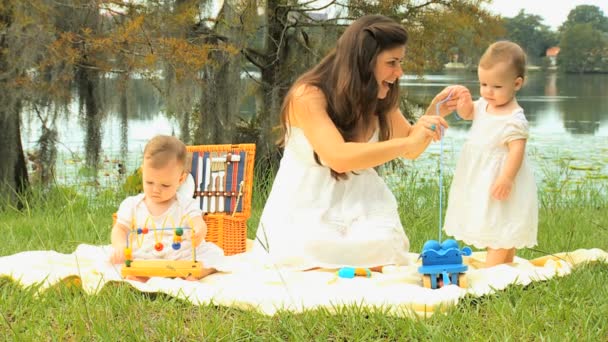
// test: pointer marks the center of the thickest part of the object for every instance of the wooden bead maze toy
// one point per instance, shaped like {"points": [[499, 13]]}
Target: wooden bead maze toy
{"points": [[159, 267]]}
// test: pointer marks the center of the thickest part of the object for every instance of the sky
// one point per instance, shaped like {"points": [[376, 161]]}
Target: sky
{"points": [[554, 12]]}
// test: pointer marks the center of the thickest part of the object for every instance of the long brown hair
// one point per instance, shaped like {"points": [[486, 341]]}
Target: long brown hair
{"points": [[346, 78]]}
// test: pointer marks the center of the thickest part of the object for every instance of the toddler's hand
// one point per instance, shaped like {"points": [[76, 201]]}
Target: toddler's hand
{"points": [[464, 106], [197, 237], [118, 256], [501, 189], [455, 93]]}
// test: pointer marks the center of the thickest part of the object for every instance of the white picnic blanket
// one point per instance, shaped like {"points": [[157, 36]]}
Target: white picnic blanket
{"points": [[253, 285]]}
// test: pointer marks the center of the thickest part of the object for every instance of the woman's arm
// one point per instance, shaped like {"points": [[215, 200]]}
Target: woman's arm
{"points": [[307, 111], [501, 189]]}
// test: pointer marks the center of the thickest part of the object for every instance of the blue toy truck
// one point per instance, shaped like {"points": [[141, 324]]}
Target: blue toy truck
{"points": [[442, 262]]}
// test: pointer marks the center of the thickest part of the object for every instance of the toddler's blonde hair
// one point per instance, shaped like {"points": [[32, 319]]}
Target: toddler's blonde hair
{"points": [[162, 149], [505, 51]]}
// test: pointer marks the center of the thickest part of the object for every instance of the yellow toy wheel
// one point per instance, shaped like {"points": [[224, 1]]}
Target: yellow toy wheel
{"points": [[462, 281], [426, 281]]}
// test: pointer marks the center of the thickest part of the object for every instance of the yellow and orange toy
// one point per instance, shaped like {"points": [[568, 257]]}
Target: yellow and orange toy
{"points": [[158, 267]]}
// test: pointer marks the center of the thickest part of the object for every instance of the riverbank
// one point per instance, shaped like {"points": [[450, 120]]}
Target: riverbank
{"points": [[461, 66]]}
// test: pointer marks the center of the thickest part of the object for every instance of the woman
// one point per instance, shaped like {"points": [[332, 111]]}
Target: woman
{"points": [[328, 207]]}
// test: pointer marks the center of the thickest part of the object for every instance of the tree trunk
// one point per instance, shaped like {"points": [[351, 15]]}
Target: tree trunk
{"points": [[273, 86], [13, 169], [221, 90], [47, 150], [88, 85], [124, 116], [220, 102]]}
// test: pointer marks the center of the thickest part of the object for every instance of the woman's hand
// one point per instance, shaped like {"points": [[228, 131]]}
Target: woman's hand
{"points": [[455, 93], [429, 126]]}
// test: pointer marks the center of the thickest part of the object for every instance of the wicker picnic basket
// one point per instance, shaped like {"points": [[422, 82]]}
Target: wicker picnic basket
{"points": [[226, 228]]}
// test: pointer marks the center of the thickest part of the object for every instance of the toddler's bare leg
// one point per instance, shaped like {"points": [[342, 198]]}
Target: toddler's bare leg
{"points": [[511, 255], [499, 256]]}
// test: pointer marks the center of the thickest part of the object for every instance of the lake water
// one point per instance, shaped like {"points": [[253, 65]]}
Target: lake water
{"points": [[568, 115]]}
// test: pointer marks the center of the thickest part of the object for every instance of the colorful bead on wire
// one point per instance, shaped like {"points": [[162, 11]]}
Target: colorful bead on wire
{"points": [[178, 232]]}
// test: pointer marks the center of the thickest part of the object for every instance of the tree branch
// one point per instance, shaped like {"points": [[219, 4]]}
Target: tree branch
{"points": [[303, 5], [255, 57]]}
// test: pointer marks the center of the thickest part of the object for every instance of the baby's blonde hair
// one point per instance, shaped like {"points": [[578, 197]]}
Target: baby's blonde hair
{"points": [[505, 51], [162, 149]]}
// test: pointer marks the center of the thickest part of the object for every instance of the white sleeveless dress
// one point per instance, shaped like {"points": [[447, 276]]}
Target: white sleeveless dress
{"points": [[473, 215], [312, 220]]}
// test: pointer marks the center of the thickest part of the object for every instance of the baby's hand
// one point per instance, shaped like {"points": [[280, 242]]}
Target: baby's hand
{"points": [[464, 106], [118, 256], [448, 105], [501, 189], [197, 236]]}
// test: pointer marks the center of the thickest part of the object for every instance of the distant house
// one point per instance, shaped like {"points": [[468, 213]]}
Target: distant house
{"points": [[552, 53]]}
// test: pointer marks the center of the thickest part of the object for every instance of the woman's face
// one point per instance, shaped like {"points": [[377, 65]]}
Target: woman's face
{"points": [[388, 69]]}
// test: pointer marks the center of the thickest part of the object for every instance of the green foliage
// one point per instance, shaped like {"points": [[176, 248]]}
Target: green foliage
{"points": [[586, 14], [531, 34], [86, 171], [583, 49], [584, 41], [133, 183], [461, 27], [82, 43]]}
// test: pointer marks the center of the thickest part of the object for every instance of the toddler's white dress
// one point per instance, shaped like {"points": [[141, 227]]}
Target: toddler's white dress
{"points": [[133, 210], [313, 220], [473, 215]]}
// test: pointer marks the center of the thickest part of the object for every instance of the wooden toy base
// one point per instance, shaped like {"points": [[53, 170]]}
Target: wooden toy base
{"points": [[163, 268], [462, 281]]}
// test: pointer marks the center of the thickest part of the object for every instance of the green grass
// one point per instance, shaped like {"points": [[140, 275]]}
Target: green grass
{"points": [[573, 307]]}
